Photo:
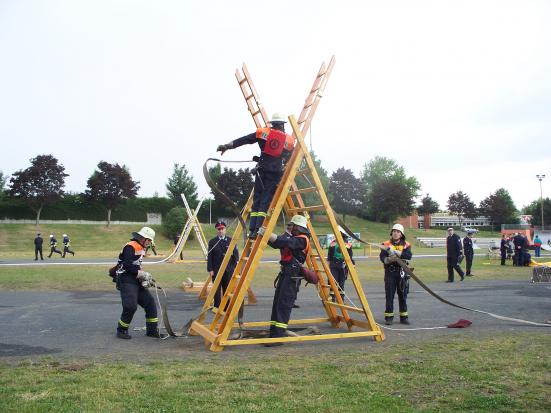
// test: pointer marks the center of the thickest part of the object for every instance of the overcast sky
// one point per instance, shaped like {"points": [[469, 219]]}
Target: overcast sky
{"points": [[458, 92]]}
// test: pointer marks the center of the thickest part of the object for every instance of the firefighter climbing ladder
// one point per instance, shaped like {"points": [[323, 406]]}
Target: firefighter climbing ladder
{"points": [[192, 223], [288, 197]]}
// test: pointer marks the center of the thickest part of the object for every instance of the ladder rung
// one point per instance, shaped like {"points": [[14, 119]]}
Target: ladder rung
{"points": [[255, 112], [250, 96], [242, 80], [344, 306], [303, 190], [303, 171], [308, 208]]}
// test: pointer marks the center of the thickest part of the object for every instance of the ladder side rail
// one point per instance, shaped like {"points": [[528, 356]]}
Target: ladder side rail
{"points": [[259, 245], [180, 243], [311, 262], [258, 102], [312, 109], [338, 236]]}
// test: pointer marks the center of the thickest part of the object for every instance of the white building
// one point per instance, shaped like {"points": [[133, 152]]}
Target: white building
{"points": [[443, 219]]}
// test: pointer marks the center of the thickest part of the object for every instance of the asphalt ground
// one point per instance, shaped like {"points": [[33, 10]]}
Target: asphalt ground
{"points": [[82, 324]]}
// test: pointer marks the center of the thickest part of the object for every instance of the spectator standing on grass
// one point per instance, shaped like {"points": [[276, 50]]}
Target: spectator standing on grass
{"points": [[469, 252], [453, 255], [38, 241], [537, 245], [504, 246], [518, 258]]}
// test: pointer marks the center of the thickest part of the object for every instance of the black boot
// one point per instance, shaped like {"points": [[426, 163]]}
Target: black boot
{"points": [[388, 321], [152, 330], [123, 333], [404, 320]]}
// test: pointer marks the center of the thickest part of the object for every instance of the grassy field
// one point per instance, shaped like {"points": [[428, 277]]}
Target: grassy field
{"points": [[16, 240], [500, 373], [93, 277]]}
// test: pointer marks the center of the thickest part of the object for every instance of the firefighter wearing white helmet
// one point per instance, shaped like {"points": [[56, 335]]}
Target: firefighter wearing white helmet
{"points": [[294, 250], [337, 264], [66, 246], [275, 149], [395, 278], [133, 282], [53, 246]]}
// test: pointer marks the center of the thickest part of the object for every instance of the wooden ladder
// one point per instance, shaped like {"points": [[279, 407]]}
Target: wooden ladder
{"points": [[289, 198]]}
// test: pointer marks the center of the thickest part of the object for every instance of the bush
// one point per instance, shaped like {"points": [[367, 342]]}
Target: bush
{"points": [[174, 221]]}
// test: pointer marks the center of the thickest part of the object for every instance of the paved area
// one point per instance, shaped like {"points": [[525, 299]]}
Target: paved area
{"points": [[82, 324]]}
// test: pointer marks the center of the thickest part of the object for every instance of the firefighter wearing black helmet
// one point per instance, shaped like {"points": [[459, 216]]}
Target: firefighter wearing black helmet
{"points": [[218, 248], [276, 146], [395, 278], [294, 250]]}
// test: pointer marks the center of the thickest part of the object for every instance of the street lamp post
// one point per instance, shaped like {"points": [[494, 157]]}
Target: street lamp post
{"points": [[540, 178]]}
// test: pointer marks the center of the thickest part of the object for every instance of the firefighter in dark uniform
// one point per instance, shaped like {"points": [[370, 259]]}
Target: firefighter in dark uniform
{"points": [[503, 247], [294, 250], [454, 254], [217, 249], [66, 245], [287, 234], [53, 246], [38, 247], [276, 147], [518, 242], [468, 250], [395, 278], [337, 265], [133, 284]]}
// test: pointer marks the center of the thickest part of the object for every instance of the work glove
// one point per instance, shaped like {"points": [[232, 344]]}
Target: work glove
{"points": [[224, 148], [145, 279], [386, 260], [390, 251]]}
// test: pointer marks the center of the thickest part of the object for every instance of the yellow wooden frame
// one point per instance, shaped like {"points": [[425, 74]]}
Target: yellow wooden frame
{"points": [[288, 198]]}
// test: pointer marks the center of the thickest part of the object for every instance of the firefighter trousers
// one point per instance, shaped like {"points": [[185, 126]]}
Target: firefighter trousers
{"points": [[52, 250], [265, 185], [284, 298], [469, 262], [395, 283], [224, 282], [133, 294], [454, 265], [67, 250]]}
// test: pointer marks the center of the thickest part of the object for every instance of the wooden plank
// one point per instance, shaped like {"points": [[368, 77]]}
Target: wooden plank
{"points": [[316, 337], [347, 307], [203, 331], [291, 322]]}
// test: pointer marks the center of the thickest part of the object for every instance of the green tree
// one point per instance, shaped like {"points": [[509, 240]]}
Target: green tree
{"points": [[3, 181], [461, 205], [347, 192], [392, 200], [499, 207], [428, 206], [181, 182], [174, 221], [237, 185], [382, 171], [111, 185], [40, 184], [534, 209]]}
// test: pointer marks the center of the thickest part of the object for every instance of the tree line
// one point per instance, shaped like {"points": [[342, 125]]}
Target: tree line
{"points": [[382, 192]]}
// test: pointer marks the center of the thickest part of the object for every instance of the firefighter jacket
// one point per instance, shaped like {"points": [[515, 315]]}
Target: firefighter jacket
{"points": [[66, 242], [520, 243], [38, 242], [293, 248], [218, 247], [453, 246], [504, 246], [468, 246], [53, 242], [131, 258], [401, 245], [275, 146], [335, 255]]}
